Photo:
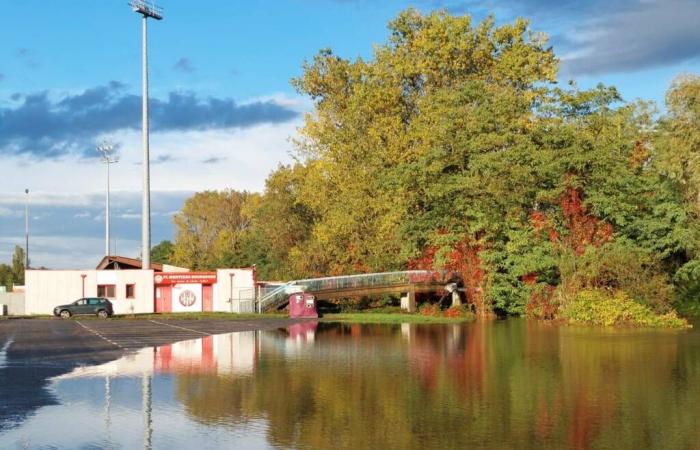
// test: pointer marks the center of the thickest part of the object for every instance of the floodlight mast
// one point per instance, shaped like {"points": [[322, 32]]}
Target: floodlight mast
{"points": [[147, 10], [106, 149]]}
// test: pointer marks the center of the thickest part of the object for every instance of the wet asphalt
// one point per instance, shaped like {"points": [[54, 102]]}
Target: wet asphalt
{"points": [[34, 350]]}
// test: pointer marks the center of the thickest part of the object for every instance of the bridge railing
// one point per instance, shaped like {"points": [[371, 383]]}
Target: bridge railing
{"points": [[349, 282]]}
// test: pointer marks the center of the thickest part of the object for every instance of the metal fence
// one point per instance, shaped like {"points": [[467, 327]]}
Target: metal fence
{"points": [[245, 302]]}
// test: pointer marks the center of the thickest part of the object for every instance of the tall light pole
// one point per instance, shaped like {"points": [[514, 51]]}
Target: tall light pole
{"points": [[26, 230], [106, 150], [147, 10]]}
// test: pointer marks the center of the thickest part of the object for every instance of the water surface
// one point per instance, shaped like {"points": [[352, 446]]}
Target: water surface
{"points": [[510, 384]]}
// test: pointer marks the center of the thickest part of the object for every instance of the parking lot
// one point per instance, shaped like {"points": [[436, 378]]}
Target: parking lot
{"points": [[90, 341], [32, 351]]}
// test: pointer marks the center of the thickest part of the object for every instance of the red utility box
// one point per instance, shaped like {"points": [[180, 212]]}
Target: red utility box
{"points": [[302, 305]]}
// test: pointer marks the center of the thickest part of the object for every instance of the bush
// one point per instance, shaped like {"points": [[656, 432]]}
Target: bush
{"points": [[616, 267], [462, 311], [430, 309], [455, 312], [615, 308]]}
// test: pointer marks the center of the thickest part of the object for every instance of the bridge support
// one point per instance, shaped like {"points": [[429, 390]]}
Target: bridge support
{"points": [[456, 299], [408, 301]]}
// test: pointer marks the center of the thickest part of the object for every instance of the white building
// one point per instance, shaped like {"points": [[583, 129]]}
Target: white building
{"points": [[134, 291]]}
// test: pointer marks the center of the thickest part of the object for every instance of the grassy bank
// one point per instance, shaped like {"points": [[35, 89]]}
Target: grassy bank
{"points": [[196, 316], [371, 317]]}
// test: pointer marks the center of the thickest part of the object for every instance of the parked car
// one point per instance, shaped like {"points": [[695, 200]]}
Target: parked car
{"points": [[85, 306]]}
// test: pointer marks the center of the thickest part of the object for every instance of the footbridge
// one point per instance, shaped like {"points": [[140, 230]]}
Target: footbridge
{"points": [[407, 283]]}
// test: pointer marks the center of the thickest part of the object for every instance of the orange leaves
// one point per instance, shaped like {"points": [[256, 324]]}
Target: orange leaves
{"points": [[584, 228]]}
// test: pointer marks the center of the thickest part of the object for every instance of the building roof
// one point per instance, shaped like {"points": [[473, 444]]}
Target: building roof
{"points": [[122, 263]]}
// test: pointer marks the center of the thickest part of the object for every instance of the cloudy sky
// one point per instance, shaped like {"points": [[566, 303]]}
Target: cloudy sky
{"points": [[222, 107]]}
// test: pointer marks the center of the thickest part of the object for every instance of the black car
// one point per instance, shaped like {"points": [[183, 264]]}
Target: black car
{"points": [[85, 306]]}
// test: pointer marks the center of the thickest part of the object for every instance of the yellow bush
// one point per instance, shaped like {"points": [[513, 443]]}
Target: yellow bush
{"points": [[615, 308]]}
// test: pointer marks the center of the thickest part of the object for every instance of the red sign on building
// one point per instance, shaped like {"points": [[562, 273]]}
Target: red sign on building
{"points": [[185, 278]]}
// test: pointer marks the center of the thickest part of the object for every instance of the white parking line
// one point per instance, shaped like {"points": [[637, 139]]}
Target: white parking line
{"points": [[182, 328], [98, 334]]}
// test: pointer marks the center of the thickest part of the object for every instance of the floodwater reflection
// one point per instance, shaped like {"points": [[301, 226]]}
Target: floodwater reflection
{"points": [[511, 384]]}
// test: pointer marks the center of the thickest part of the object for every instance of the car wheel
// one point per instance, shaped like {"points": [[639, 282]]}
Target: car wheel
{"points": [[102, 314], [65, 314]]}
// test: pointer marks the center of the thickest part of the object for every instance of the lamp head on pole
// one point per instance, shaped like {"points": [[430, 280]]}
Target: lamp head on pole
{"points": [[147, 9], [105, 149]]}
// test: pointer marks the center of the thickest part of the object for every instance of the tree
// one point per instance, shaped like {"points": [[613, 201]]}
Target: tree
{"points": [[209, 230], [678, 160], [453, 148], [18, 259], [163, 252], [373, 119], [280, 227], [679, 142], [6, 277]]}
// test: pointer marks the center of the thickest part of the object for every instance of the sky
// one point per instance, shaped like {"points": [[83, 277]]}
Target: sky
{"points": [[223, 112]]}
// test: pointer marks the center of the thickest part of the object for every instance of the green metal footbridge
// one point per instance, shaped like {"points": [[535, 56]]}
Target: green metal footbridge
{"points": [[407, 282]]}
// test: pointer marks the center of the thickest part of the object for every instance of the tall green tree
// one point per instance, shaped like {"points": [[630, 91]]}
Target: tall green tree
{"points": [[369, 121], [209, 230], [163, 252], [18, 260], [280, 227], [678, 160], [679, 140]]}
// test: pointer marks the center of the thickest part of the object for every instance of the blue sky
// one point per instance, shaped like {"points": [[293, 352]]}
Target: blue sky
{"points": [[223, 108]]}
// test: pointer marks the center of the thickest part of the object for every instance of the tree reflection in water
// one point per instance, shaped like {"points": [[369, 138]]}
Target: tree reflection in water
{"points": [[505, 384]]}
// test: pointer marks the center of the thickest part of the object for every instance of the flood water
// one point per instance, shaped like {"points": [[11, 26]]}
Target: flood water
{"points": [[510, 384]]}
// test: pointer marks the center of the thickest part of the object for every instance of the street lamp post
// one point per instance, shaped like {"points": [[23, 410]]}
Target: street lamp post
{"points": [[106, 149], [147, 10], [26, 230]]}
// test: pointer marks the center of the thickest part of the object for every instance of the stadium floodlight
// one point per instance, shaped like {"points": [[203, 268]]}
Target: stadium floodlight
{"points": [[106, 149], [147, 10]]}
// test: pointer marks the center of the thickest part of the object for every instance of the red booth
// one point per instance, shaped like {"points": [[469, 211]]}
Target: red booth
{"points": [[302, 305]]}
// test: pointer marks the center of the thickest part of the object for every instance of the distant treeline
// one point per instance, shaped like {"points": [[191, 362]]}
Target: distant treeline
{"points": [[454, 147]]}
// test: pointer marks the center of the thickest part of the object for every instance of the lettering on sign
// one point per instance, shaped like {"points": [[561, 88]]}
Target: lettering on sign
{"points": [[185, 278]]}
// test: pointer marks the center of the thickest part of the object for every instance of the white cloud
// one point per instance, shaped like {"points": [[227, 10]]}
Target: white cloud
{"points": [[246, 158], [10, 212], [129, 216], [64, 252], [72, 189]]}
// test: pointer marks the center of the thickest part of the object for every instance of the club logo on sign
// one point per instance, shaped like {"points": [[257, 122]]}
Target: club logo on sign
{"points": [[187, 298]]}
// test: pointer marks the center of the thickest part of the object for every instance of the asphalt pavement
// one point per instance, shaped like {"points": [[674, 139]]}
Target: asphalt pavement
{"points": [[34, 350]]}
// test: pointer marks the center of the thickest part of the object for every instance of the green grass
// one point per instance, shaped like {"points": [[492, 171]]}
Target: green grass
{"points": [[196, 316], [372, 317]]}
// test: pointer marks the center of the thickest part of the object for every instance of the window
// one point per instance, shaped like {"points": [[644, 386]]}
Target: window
{"points": [[130, 290], [81, 302], [105, 290], [94, 301]]}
